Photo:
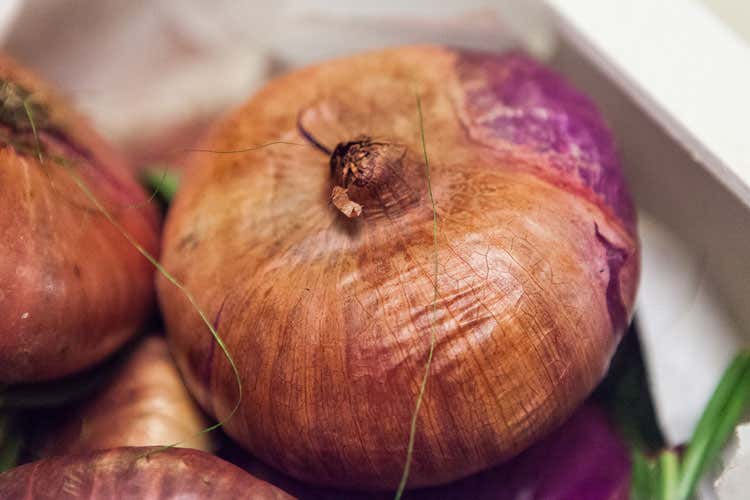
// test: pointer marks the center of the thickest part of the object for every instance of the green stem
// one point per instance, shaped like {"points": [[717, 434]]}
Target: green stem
{"points": [[668, 475], [643, 477], [423, 385], [719, 418], [729, 418]]}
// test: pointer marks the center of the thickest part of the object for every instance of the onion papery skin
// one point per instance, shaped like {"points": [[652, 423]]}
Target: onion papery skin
{"points": [[129, 473], [143, 404], [72, 289], [328, 309]]}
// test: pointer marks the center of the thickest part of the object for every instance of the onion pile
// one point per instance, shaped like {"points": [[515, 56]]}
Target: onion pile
{"points": [[72, 290], [129, 473], [315, 257]]}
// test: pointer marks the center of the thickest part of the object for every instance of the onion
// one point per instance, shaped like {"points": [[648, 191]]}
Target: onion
{"points": [[145, 404], [72, 290], [130, 473], [317, 261]]}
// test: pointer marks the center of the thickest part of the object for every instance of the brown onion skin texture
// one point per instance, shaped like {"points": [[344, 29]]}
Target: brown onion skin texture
{"points": [[72, 290], [128, 473], [144, 404], [329, 318]]}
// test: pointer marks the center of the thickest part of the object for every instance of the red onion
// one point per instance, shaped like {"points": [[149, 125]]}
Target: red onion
{"points": [[317, 262], [126, 473], [72, 290]]}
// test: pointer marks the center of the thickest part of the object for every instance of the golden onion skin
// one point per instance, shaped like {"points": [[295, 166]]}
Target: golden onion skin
{"points": [[328, 308], [72, 289]]}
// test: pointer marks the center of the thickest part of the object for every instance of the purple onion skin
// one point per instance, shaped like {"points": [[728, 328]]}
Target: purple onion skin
{"points": [[538, 119], [584, 459], [125, 473], [534, 111]]}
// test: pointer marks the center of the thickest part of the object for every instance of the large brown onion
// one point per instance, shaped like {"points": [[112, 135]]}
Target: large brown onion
{"points": [[72, 289], [328, 311], [144, 404], [129, 473]]}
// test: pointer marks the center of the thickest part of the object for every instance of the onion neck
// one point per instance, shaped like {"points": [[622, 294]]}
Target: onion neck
{"points": [[372, 178]]}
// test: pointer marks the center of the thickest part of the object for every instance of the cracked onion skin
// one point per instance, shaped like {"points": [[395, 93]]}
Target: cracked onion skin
{"points": [[72, 289], [128, 473], [317, 262]]}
